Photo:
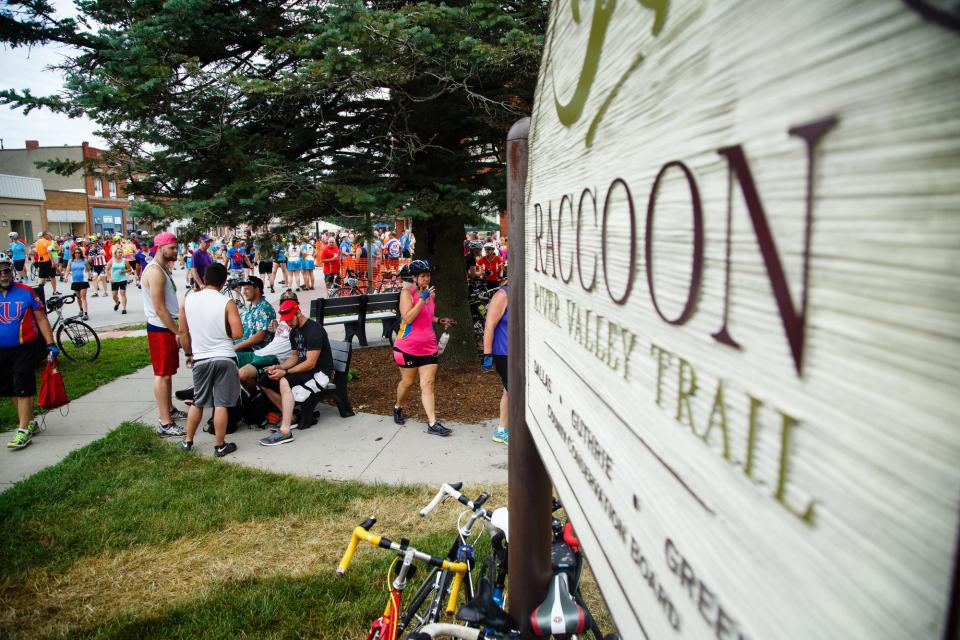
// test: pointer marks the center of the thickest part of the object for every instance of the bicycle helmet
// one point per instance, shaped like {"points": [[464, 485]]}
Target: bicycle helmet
{"points": [[490, 245], [13, 234], [420, 266], [475, 244], [4, 258]]}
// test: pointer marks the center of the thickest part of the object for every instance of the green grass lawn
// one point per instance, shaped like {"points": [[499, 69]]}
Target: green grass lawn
{"points": [[131, 538], [118, 357]]}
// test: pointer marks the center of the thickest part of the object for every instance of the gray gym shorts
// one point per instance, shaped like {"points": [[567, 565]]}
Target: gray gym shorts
{"points": [[216, 383]]}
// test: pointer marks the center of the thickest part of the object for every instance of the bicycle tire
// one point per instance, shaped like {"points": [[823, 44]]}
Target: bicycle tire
{"points": [[82, 344]]}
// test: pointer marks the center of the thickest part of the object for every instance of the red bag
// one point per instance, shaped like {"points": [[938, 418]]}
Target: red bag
{"points": [[53, 393]]}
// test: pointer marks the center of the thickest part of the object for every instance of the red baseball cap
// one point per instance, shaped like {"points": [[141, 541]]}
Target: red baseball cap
{"points": [[289, 309]]}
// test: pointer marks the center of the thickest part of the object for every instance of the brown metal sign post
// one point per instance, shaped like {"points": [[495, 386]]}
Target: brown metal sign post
{"points": [[530, 488]]}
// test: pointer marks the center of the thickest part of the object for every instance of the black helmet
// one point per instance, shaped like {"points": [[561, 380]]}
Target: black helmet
{"points": [[420, 266]]}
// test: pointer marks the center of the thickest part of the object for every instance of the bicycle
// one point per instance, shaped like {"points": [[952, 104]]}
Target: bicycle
{"points": [[231, 290], [426, 603], [386, 627], [389, 283], [349, 287], [484, 610], [76, 339]]}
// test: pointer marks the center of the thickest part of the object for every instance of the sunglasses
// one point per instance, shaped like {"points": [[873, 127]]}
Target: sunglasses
{"points": [[5, 270]]}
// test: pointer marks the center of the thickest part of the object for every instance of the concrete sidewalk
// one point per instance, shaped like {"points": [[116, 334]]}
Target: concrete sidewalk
{"points": [[365, 447]]}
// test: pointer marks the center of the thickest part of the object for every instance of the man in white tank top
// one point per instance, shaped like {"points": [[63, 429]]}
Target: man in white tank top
{"points": [[161, 307], [208, 327]]}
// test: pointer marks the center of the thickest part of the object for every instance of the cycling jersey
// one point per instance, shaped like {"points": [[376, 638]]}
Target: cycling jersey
{"points": [[500, 334], [97, 257], [236, 258], [78, 270], [18, 251], [17, 324], [418, 337], [43, 250]]}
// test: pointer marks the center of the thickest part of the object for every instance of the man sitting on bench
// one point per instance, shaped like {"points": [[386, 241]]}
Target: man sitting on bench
{"points": [[277, 350], [307, 370]]}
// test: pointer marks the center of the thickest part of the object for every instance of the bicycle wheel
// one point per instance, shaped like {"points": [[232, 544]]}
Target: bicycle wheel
{"points": [[78, 341]]}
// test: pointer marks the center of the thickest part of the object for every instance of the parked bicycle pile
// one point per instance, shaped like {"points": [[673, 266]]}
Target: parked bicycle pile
{"points": [[452, 602]]}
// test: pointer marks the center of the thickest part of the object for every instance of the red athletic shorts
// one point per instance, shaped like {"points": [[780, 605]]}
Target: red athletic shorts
{"points": [[163, 352]]}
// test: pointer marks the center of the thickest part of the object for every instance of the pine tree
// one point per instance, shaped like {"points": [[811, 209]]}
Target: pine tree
{"points": [[242, 111]]}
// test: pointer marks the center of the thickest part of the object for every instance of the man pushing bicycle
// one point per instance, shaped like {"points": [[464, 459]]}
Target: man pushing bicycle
{"points": [[23, 320]]}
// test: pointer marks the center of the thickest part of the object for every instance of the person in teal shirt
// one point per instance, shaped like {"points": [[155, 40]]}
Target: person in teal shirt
{"points": [[79, 272], [117, 268], [18, 253]]}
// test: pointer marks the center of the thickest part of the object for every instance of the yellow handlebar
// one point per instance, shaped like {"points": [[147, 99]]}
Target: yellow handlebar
{"points": [[359, 535]]}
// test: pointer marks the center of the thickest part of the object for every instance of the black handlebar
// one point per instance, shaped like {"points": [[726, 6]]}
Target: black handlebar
{"points": [[57, 301], [369, 522]]}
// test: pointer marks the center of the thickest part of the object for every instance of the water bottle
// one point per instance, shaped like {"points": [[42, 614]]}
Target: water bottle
{"points": [[444, 339]]}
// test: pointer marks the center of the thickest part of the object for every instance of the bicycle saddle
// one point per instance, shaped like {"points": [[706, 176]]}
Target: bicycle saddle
{"points": [[559, 613], [484, 611]]}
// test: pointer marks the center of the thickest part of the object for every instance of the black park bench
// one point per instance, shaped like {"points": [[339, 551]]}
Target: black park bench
{"points": [[353, 312], [336, 388]]}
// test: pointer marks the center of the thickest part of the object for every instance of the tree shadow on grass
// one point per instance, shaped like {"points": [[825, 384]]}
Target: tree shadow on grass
{"points": [[317, 606]]}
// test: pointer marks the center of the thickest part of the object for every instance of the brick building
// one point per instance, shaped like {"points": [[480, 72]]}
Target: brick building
{"points": [[75, 204]]}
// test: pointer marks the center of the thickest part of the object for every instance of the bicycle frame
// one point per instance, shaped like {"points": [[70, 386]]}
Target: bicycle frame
{"points": [[386, 626], [460, 550]]}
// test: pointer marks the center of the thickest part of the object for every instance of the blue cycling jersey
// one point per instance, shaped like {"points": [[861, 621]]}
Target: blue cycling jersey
{"points": [[17, 324], [18, 251]]}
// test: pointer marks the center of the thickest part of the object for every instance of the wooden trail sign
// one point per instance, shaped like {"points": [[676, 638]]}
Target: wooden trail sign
{"points": [[742, 296]]}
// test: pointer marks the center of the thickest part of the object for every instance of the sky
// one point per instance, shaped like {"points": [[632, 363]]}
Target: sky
{"points": [[27, 68]]}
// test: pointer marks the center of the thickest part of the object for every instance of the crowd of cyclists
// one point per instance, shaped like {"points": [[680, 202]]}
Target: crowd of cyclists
{"points": [[93, 262]]}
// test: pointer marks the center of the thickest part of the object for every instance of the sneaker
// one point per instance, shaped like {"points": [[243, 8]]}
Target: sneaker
{"points": [[124, 312], [86, 316], [35, 427], [172, 430], [437, 429], [95, 295], [501, 435], [227, 448], [20, 439], [115, 307], [186, 445], [276, 427], [398, 416], [276, 438], [177, 414]]}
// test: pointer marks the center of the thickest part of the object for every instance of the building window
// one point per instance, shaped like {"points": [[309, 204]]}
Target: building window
{"points": [[113, 188], [97, 188]]}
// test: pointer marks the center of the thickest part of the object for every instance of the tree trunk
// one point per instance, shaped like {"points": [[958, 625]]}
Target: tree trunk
{"points": [[445, 251]]}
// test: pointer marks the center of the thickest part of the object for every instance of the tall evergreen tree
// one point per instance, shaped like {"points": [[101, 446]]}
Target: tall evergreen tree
{"points": [[230, 111]]}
